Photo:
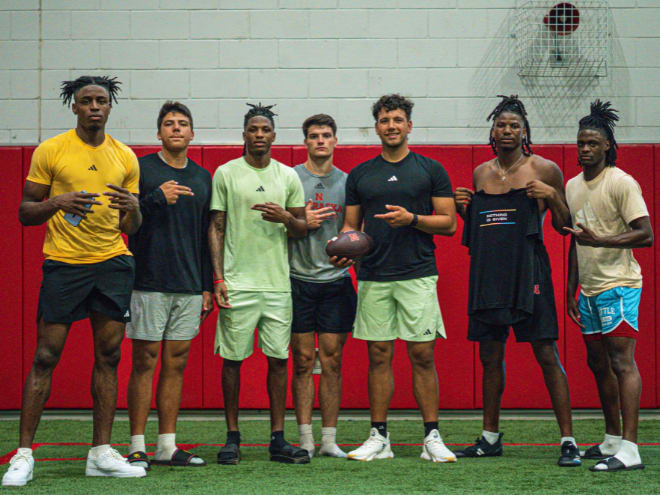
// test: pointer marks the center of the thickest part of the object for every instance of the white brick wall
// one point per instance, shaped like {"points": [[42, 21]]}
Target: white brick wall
{"points": [[336, 56]]}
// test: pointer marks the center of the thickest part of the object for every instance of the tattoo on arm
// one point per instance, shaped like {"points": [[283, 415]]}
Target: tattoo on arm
{"points": [[217, 227]]}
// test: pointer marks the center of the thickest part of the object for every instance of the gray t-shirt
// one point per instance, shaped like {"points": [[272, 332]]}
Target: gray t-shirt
{"points": [[307, 256]]}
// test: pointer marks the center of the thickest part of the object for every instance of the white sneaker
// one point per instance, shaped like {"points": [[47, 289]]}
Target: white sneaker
{"points": [[331, 450], [111, 463], [376, 447], [435, 450], [20, 470]]}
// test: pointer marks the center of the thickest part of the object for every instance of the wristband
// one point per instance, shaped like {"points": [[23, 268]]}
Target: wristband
{"points": [[414, 220], [218, 281]]}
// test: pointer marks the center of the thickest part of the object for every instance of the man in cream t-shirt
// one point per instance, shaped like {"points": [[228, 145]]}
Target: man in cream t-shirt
{"points": [[609, 219]]}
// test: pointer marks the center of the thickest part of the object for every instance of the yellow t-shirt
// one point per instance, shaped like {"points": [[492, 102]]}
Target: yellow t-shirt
{"points": [[66, 163], [606, 204]]}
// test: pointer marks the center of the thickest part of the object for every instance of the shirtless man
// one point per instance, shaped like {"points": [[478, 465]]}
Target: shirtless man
{"points": [[510, 283]]}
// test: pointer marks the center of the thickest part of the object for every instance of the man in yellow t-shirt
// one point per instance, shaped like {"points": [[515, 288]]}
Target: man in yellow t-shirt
{"points": [[84, 184], [609, 219]]}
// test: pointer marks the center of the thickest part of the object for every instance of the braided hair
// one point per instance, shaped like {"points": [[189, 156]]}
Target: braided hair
{"points": [[514, 105], [259, 111], [603, 118], [70, 88]]}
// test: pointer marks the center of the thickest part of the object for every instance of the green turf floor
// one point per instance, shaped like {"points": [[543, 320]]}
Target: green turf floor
{"points": [[521, 470]]}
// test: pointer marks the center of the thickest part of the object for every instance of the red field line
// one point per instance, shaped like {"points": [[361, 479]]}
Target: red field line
{"points": [[5, 458]]}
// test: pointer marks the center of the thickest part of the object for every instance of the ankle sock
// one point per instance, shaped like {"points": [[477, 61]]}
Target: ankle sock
{"points": [[611, 444], [381, 426], [24, 451], [328, 434], [429, 427], [491, 437], [628, 453], [165, 447], [568, 439], [306, 437], [137, 444]]}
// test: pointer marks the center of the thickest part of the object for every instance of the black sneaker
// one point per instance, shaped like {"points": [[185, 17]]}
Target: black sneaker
{"points": [[482, 448], [229, 454], [570, 455], [288, 454]]}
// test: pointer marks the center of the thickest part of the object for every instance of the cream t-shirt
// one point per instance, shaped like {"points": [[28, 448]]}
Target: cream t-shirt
{"points": [[606, 204]]}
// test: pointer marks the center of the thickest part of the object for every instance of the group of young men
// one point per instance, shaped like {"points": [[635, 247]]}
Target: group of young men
{"points": [[253, 239]]}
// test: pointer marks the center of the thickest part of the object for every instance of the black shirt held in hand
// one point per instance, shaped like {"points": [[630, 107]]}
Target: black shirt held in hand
{"points": [[171, 248], [402, 253]]}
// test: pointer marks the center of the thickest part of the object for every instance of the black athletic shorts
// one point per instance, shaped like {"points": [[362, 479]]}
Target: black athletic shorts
{"points": [[540, 325], [326, 307], [69, 292]]}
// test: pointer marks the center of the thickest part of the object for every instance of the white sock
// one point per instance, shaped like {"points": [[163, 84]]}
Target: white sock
{"points": [[99, 449], [306, 438], [328, 434], [610, 445], [165, 447], [137, 444], [490, 437], [568, 439], [628, 453], [24, 451]]}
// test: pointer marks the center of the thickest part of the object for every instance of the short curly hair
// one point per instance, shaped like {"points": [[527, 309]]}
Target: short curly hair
{"points": [[392, 102]]}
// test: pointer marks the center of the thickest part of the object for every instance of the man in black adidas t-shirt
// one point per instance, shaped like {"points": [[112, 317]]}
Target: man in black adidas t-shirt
{"points": [[173, 283], [395, 194]]}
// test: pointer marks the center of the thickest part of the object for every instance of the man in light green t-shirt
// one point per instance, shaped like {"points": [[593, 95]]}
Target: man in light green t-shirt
{"points": [[256, 204]]}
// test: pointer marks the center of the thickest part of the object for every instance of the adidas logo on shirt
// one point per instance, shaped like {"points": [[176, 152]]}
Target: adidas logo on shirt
{"points": [[260, 189], [93, 167], [393, 179], [319, 186]]}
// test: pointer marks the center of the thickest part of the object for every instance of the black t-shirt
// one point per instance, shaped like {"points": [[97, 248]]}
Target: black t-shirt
{"points": [[400, 253], [503, 232], [171, 247]]}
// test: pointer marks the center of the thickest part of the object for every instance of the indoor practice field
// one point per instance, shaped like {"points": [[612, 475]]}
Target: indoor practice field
{"points": [[527, 466]]}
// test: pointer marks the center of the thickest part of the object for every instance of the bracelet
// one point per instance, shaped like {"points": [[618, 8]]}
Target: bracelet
{"points": [[414, 220], [218, 281]]}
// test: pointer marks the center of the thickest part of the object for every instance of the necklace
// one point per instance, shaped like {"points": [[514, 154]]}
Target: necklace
{"points": [[503, 173]]}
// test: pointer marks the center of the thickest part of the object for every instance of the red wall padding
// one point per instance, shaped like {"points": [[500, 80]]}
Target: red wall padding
{"points": [[11, 281], [459, 370]]}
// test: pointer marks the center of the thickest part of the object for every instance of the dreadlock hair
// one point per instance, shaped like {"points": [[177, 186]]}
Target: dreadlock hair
{"points": [[259, 111], [70, 88], [603, 118], [513, 105], [392, 102]]}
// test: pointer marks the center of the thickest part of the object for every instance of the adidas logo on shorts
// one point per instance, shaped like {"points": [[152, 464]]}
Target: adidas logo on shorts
{"points": [[93, 168], [260, 189], [428, 332]]}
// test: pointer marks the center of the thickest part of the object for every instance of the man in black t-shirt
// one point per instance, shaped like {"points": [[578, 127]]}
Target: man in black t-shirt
{"points": [[173, 283], [395, 194]]}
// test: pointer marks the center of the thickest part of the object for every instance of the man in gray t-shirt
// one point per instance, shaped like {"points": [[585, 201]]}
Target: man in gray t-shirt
{"points": [[323, 296]]}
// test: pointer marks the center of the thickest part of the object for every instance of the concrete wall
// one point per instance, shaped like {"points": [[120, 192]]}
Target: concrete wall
{"points": [[335, 56]]}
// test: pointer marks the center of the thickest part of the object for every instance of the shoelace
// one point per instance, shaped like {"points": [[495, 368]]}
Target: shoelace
{"points": [[114, 453], [19, 457]]}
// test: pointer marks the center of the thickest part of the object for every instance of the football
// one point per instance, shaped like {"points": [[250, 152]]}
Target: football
{"points": [[351, 244]]}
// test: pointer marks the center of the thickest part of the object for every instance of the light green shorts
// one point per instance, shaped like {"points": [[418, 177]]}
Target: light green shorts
{"points": [[269, 312], [404, 309], [160, 316]]}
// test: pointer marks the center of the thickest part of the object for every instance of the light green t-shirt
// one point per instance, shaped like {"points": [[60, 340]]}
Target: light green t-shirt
{"points": [[255, 254]]}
